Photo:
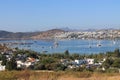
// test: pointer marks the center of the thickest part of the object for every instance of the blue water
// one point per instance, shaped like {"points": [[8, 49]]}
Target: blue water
{"points": [[73, 46]]}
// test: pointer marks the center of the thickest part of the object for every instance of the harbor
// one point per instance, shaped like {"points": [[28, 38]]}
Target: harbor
{"points": [[79, 46]]}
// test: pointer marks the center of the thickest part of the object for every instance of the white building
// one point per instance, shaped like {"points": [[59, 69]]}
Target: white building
{"points": [[90, 61], [2, 68], [79, 62], [19, 64], [27, 64]]}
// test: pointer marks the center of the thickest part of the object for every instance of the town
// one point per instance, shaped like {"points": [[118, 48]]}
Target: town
{"points": [[97, 34], [16, 59]]}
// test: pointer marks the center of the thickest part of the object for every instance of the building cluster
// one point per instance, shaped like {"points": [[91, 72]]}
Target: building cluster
{"points": [[87, 63], [22, 60], [101, 34]]}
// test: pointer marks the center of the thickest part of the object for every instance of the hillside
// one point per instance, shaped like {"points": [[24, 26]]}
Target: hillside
{"points": [[29, 35], [47, 34], [17, 35]]}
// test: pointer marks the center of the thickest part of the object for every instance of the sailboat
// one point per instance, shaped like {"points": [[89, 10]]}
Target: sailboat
{"points": [[99, 44], [89, 44], [114, 42], [56, 44]]}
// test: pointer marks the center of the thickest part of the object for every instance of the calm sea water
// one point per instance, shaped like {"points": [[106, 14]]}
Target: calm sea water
{"points": [[73, 46]]}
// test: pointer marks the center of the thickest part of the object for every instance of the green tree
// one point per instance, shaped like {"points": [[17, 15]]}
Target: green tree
{"points": [[58, 66], [0, 56], [39, 66], [14, 63], [47, 60], [66, 53], [11, 64], [116, 63], [108, 63], [4, 60], [117, 53], [75, 56]]}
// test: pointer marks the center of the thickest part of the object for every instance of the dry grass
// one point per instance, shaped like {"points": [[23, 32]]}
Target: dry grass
{"points": [[93, 78], [46, 75]]}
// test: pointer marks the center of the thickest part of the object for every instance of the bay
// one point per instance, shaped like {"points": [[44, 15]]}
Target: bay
{"points": [[73, 46]]}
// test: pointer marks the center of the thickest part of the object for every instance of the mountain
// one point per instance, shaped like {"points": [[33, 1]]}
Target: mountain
{"points": [[18, 35], [4, 34], [29, 35]]}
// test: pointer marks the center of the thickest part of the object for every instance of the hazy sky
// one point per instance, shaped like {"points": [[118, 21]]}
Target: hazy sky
{"points": [[35, 15]]}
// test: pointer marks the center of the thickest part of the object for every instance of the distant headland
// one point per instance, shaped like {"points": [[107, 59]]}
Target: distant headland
{"points": [[62, 34]]}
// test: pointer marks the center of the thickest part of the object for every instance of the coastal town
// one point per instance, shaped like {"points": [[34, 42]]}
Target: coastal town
{"points": [[59, 39], [24, 61], [54, 52], [97, 34], [26, 58], [59, 34], [16, 59]]}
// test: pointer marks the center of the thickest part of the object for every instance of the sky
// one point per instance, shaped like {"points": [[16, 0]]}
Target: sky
{"points": [[39, 15]]}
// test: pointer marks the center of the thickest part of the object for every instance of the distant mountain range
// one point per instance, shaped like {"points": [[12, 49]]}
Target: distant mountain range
{"points": [[29, 35], [49, 34]]}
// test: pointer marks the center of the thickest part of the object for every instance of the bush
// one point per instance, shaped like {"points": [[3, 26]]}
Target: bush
{"points": [[112, 71]]}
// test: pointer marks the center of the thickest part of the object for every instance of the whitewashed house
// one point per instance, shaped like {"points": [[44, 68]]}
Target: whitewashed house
{"points": [[27, 63], [90, 61], [2, 68], [19, 64], [79, 62]]}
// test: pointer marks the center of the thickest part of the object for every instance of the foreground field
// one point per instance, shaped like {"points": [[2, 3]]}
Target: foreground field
{"points": [[93, 78], [50, 75]]}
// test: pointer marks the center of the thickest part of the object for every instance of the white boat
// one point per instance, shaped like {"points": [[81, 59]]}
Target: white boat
{"points": [[56, 44], [90, 44], [114, 42], [99, 44]]}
